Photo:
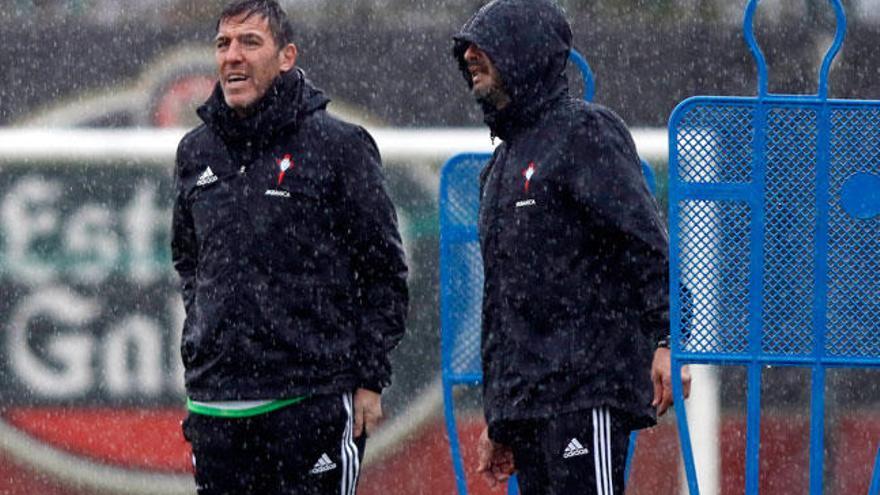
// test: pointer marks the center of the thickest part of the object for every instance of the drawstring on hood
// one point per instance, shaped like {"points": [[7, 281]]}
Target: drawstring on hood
{"points": [[528, 41]]}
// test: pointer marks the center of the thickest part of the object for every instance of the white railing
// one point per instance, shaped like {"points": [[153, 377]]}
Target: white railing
{"points": [[36, 145]]}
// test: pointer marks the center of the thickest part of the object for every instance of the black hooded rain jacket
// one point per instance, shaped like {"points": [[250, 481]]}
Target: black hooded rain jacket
{"points": [[575, 252], [292, 269]]}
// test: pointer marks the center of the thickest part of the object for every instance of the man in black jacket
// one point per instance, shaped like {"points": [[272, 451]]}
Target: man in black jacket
{"points": [[575, 301], [292, 271]]}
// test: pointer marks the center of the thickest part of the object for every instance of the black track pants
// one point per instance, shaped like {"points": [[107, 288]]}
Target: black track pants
{"points": [[304, 449], [581, 453]]}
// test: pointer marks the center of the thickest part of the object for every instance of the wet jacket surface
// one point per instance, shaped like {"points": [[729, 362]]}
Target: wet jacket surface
{"points": [[291, 264], [575, 252]]}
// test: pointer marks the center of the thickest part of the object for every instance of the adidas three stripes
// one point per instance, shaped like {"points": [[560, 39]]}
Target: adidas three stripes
{"points": [[582, 452]]}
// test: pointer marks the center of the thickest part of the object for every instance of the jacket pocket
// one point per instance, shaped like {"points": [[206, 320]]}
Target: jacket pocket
{"points": [[311, 327], [205, 334]]}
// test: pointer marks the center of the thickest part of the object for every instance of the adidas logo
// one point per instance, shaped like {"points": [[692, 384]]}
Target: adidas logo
{"points": [[574, 449], [323, 465], [206, 178]]}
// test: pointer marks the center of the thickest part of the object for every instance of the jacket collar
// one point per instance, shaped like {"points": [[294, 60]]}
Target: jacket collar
{"points": [[290, 97]]}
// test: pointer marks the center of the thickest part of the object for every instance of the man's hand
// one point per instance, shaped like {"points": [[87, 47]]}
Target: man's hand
{"points": [[367, 411], [495, 461], [661, 375]]}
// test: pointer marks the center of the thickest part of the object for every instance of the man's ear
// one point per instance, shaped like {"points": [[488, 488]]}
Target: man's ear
{"points": [[287, 57]]}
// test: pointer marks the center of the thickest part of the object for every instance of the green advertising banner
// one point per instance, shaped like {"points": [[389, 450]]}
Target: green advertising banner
{"points": [[91, 382], [90, 305]]}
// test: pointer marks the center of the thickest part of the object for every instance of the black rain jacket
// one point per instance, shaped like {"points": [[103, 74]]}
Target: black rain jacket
{"points": [[575, 253], [291, 264]]}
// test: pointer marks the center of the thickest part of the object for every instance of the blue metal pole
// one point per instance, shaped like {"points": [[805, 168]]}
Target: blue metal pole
{"points": [[753, 429], [756, 286], [630, 450], [512, 486], [817, 430], [684, 433], [675, 197], [452, 431], [756, 290], [820, 291], [875, 483]]}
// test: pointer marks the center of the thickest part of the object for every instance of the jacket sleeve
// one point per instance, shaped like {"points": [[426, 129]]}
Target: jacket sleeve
{"points": [[184, 248], [377, 259], [607, 181]]}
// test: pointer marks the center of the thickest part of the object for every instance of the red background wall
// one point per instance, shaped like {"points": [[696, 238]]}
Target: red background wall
{"points": [[422, 465]]}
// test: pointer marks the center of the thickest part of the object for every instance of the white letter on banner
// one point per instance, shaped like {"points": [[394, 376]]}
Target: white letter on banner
{"points": [[90, 239], [142, 222], [28, 214], [138, 337], [73, 351]]}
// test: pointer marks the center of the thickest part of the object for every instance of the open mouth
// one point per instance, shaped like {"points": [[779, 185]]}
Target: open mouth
{"points": [[236, 78], [476, 72]]}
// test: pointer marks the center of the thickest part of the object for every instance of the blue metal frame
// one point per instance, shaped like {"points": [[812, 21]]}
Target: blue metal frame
{"points": [[752, 194], [586, 72], [450, 235], [453, 235]]}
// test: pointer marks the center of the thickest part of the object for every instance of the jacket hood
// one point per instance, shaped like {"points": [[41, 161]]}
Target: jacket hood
{"points": [[528, 41], [290, 97]]}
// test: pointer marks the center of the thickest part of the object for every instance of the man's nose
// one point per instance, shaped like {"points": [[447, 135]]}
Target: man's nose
{"points": [[233, 52], [471, 54]]}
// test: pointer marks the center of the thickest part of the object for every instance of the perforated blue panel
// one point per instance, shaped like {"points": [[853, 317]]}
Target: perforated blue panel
{"points": [[854, 247], [775, 236], [461, 266], [717, 278], [715, 144], [779, 200]]}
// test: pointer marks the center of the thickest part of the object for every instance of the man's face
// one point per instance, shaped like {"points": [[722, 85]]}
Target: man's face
{"points": [[485, 79], [248, 60]]}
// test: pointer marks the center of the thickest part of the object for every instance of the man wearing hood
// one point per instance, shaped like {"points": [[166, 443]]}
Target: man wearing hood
{"points": [[575, 302], [292, 273]]}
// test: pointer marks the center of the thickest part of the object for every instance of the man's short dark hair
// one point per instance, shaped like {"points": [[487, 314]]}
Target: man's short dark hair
{"points": [[279, 24]]}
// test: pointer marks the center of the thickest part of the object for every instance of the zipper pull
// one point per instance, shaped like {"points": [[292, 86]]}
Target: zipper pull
{"points": [[241, 170]]}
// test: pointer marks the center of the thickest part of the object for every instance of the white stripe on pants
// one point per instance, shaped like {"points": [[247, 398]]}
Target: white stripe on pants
{"points": [[602, 451], [349, 454]]}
